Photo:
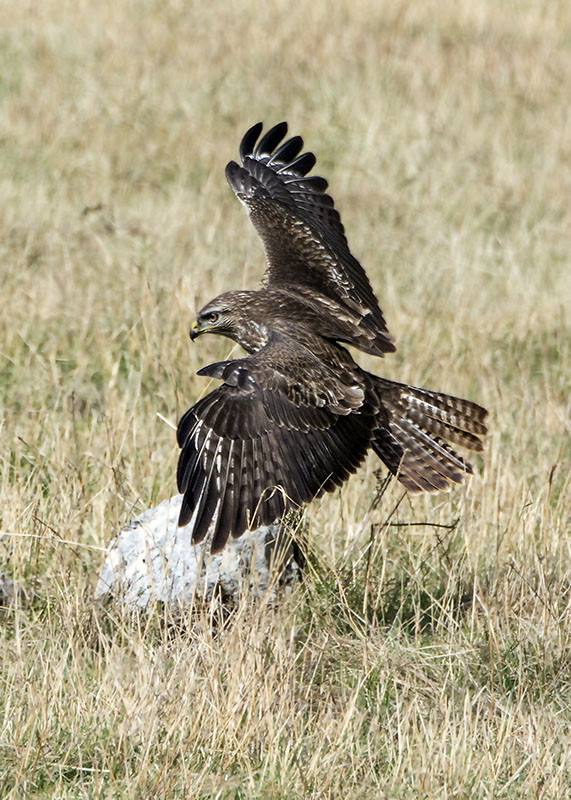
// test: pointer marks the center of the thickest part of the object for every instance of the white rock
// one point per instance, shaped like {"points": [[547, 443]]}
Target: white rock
{"points": [[152, 559]]}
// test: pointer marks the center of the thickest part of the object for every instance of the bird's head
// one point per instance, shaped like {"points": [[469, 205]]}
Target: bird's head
{"points": [[215, 317], [224, 315]]}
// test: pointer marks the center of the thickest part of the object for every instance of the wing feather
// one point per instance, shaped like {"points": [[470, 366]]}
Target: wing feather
{"points": [[270, 140], [208, 499], [246, 488], [226, 490], [249, 140], [300, 165], [287, 152], [297, 438], [302, 233]]}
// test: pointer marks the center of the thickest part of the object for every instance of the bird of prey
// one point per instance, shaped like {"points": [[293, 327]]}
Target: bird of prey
{"points": [[297, 415]]}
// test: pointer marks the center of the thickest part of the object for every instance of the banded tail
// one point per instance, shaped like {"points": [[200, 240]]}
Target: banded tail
{"points": [[416, 443]]}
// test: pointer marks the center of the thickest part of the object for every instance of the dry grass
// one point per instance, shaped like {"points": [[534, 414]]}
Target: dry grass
{"points": [[415, 661]]}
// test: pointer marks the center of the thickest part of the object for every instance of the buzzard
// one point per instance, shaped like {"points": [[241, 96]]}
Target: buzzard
{"points": [[296, 416]]}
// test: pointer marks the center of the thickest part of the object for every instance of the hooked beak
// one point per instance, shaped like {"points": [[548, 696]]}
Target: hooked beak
{"points": [[194, 331]]}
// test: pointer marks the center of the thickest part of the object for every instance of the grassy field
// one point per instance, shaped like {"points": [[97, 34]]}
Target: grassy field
{"points": [[427, 653]]}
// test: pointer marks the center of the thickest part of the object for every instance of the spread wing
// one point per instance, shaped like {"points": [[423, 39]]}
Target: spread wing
{"points": [[302, 233], [282, 429]]}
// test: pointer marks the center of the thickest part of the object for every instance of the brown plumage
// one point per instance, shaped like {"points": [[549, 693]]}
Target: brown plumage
{"points": [[296, 417]]}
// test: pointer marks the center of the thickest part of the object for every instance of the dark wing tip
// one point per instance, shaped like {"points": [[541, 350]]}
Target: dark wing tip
{"points": [[303, 164], [184, 427], [213, 370], [267, 143], [270, 140], [232, 171], [284, 158], [249, 140], [219, 541], [287, 151], [314, 183], [185, 514]]}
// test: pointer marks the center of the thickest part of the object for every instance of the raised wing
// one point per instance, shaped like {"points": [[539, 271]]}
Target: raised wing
{"points": [[281, 430], [301, 231]]}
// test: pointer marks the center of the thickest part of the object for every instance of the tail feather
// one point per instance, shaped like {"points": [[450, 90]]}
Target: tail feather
{"points": [[446, 431], [414, 444]]}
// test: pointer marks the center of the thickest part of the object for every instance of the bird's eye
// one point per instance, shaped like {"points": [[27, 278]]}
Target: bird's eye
{"points": [[212, 316]]}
